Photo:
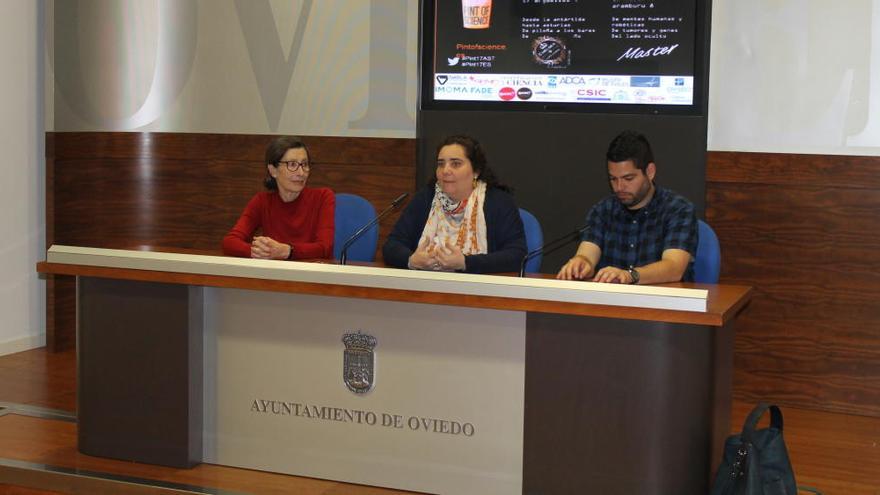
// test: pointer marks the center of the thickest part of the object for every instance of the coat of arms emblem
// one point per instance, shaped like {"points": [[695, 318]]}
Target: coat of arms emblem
{"points": [[359, 362]]}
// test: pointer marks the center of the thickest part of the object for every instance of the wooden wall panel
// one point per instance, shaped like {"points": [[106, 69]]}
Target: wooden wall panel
{"points": [[60, 290], [124, 190], [803, 230], [186, 190]]}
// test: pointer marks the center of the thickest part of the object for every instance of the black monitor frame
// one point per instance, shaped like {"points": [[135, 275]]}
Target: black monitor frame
{"points": [[698, 107]]}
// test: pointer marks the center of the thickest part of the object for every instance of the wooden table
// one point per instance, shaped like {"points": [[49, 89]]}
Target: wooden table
{"points": [[619, 393]]}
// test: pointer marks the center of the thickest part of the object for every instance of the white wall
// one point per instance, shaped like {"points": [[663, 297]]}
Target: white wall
{"points": [[788, 76], [22, 166], [307, 67], [795, 76]]}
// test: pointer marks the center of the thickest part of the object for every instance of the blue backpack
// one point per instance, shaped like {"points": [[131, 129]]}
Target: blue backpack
{"points": [[756, 461]]}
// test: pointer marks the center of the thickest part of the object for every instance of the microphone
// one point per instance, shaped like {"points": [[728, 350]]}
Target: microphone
{"points": [[552, 246], [343, 255]]}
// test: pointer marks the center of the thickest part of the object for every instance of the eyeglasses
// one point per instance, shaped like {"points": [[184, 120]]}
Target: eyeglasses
{"points": [[293, 166]]}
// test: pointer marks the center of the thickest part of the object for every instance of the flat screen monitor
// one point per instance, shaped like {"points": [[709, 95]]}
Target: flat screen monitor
{"points": [[617, 56]]}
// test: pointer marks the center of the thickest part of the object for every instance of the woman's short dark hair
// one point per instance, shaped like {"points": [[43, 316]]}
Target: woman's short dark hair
{"points": [[474, 152], [275, 152], [631, 145]]}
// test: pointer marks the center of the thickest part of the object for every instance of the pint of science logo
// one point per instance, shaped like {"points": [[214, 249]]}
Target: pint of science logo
{"points": [[359, 362]]}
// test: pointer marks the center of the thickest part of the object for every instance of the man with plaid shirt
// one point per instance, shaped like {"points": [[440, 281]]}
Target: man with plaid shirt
{"points": [[642, 233]]}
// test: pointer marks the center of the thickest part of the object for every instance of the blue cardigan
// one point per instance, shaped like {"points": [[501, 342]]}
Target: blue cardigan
{"points": [[505, 237]]}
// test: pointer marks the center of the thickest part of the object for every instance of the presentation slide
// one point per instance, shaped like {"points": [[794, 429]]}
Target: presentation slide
{"points": [[570, 51]]}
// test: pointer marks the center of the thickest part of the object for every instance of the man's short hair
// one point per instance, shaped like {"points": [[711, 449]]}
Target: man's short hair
{"points": [[631, 145]]}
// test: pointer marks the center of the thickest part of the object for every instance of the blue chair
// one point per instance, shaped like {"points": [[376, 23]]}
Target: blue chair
{"points": [[534, 239], [352, 213], [707, 265]]}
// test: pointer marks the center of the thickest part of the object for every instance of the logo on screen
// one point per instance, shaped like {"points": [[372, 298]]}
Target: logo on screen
{"points": [[645, 81], [453, 61], [524, 93], [359, 362], [523, 81], [442, 79], [507, 94], [550, 51], [621, 82], [566, 80], [592, 92], [482, 80]]}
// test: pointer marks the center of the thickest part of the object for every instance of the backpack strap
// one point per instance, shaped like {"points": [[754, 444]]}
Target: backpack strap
{"points": [[748, 431]]}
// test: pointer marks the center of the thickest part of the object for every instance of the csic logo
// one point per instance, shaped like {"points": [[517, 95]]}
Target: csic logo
{"points": [[442, 79], [592, 92], [507, 93], [524, 93], [359, 362]]}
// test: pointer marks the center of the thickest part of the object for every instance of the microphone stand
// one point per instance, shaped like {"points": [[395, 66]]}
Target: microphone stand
{"points": [[343, 255], [551, 246]]}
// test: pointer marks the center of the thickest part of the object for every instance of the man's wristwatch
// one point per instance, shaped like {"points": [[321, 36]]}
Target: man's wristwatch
{"points": [[634, 274]]}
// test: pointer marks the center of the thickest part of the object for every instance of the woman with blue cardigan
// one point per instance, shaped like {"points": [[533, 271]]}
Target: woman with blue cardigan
{"points": [[465, 220]]}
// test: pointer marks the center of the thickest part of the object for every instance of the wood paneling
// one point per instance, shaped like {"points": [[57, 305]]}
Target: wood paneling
{"points": [[6, 489], [186, 191], [836, 171], [59, 289], [803, 230]]}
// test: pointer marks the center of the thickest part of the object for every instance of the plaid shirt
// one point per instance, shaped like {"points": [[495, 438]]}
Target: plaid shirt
{"points": [[630, 239]]}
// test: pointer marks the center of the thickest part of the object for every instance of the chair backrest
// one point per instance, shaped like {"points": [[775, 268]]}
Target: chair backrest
{"points": [[707, 265], [352, 213], [534, 239]]}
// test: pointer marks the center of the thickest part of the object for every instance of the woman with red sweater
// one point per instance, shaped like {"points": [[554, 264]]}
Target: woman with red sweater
{"points": [[294, 221]]}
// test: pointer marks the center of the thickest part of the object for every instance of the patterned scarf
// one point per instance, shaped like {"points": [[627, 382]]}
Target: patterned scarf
{"points": [[463, 223]]}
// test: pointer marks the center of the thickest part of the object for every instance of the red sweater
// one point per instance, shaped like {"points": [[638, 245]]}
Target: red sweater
{"points": [[305, 223]]}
